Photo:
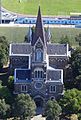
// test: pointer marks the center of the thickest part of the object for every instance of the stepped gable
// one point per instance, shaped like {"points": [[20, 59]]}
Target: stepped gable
{"points": [[39, 29]]}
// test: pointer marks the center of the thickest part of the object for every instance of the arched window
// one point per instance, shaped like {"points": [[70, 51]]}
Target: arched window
{"points": [[38, 74], [39, 55]]}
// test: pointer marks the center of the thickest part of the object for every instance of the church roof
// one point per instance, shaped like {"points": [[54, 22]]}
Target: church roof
{"points": [[53, 75], [39, 29], [56, 49], [20, 48]]}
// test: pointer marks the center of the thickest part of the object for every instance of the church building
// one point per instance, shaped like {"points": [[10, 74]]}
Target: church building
{"points": [[38, 64]]}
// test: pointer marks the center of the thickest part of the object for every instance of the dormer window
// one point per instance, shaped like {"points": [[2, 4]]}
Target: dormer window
{"points": [[39, 55]]}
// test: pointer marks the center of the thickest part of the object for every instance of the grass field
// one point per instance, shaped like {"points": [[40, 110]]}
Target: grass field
{"points": [[16, 34], [49, 7]]}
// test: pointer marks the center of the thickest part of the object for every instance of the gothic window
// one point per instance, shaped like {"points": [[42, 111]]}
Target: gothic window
{"points": [[39, 55], [23, 88], [53, 88], [38, 74]]}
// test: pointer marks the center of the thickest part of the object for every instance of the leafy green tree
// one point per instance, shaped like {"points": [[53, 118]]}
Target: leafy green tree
{"points": [[52, 110], [4, 48], [4, 109], [71, 101], [75, 62], [24, 107], [5, 94], [78, 39], [64, 40]]}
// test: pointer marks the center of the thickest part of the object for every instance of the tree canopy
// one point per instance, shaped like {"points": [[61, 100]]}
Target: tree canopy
{"points": [[71, 101], [4, 108], [24, 107], [5, 93], [78, 39], [52, 110], [3, 51], [65, 40], [75, 62]]}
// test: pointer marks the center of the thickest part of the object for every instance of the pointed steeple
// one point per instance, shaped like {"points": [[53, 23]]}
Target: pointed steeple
{"points": [[39, 30]]}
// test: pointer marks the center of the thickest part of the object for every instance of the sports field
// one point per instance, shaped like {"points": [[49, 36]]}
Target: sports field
{"points": [[16, 34], [48, 7]]}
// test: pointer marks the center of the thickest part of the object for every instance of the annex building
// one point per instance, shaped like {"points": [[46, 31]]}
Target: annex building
{"points": [[38, 64]]}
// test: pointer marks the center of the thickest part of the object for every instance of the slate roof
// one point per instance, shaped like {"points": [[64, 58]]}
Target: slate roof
{"points": [[56, 49], [20, 48], [54, 75], [23, 75], [39, 29]]}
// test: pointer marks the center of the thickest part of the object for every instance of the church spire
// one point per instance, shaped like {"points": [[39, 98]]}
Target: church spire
{"points": [[39, 30]]}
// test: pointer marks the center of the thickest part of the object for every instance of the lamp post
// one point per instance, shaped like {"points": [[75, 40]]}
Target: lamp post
{"points": [[0, 13]]}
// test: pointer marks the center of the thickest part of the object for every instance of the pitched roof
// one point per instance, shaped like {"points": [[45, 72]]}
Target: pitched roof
{"points": [[20, 48], [56, 49], [39, 30], [54, 75]]}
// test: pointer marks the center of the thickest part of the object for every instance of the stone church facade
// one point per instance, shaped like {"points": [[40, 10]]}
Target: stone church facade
{"points": [[38, 64]]}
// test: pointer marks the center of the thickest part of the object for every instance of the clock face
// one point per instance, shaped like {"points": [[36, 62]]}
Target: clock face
{"points": [[38, 85]]}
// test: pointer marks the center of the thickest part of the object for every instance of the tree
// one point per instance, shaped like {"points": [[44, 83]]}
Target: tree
{"points": [[64, 40], [71, 101], [3, 51], [5, 93], [11, 83], [75, 62], [24, 107], [78, 39], [52, 110], [4, 108]]}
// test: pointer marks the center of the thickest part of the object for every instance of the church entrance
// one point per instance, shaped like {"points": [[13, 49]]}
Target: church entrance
{"points": [[39, 101]]}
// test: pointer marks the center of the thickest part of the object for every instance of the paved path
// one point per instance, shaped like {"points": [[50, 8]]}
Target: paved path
{"points": [[38, 117]]}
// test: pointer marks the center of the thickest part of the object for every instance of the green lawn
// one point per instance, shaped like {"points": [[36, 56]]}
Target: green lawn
{"points": [[49, 7], [16, 34]]}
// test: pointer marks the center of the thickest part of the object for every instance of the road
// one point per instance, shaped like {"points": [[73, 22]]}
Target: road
{"points": [[27, 25]]}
